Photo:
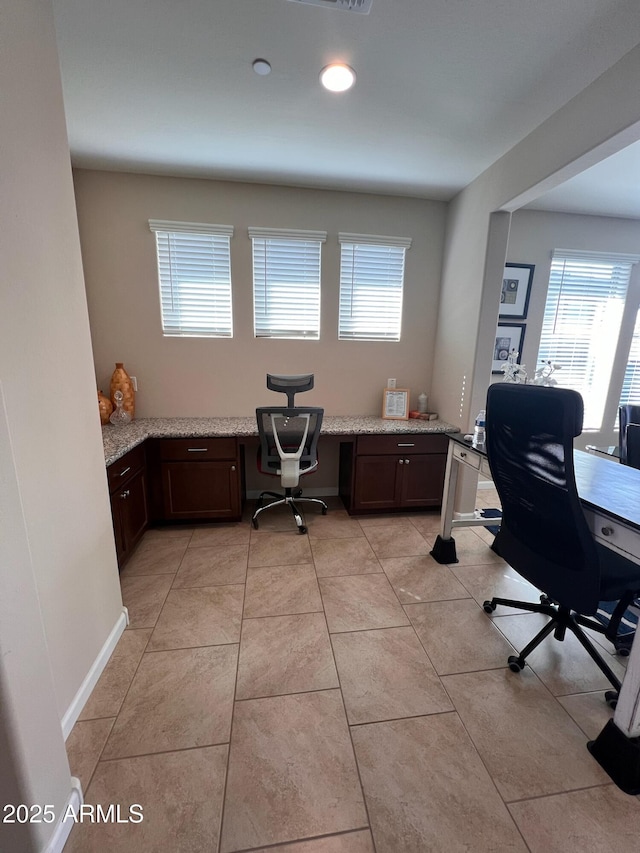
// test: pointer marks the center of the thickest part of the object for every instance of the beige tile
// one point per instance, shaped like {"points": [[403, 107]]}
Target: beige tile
{"points": [[360, 602], [221, 534], [589, 710], [84, 747], [528, 742], [212, 565], [206, 616], [472, 550], [107, 696], [178, 699], [389, 519], [458, 636], [396, 541], [285, 654], [348, 842], [292, 773], [427, 790], [427, 524], [598, 820], [564, 667], [416, 579], [337, 524], [343, 557], [181, 798], [279, 549], [276, 519], [143, 596], [157, 556], [281, 590], [495, 579], [385, 675], [176, 531]]}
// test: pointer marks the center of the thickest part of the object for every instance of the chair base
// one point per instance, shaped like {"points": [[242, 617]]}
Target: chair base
{"points": [[291, 500], [561, 620]]}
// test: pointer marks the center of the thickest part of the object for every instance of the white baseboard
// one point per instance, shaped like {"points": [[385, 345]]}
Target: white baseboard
{"points": [[486, 484], [64, 827], [80, 699], [326, 492]]}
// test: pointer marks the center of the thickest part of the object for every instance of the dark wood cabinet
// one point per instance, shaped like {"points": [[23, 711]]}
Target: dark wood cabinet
{"points": [[200, 478], [392, 472], [128, 495]]}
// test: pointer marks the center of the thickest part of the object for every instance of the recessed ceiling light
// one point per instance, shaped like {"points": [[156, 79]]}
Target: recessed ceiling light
{"points": [[261, 67], [337, 77]]}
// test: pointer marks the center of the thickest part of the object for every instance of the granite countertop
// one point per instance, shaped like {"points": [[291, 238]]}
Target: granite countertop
{"points": [[118, 440]]}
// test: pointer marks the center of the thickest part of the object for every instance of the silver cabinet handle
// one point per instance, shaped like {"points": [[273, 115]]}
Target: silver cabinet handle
{"points": [[122, 473], [406, 461], [406, 444], [233, 467], [125, 494], [401, 461], [197, 449], [607, 531], [463, 455]]}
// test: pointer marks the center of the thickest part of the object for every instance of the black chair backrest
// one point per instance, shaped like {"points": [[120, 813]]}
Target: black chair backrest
{"points": [[633, 445], [290, 425], [544, 534], [627, 414]]}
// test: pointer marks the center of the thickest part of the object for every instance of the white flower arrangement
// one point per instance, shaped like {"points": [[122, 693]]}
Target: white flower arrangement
{"points": [[514, 372], [543, 375]]}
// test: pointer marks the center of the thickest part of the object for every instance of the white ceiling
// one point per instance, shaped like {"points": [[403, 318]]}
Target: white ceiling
{"points": [[444, 87]]}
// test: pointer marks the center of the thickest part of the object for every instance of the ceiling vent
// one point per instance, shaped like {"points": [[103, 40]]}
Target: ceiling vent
{"points": [[362, 6]]}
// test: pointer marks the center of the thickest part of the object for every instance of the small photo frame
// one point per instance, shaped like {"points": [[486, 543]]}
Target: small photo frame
{"points": [[508, 337], [516, 289], [395, 404]]}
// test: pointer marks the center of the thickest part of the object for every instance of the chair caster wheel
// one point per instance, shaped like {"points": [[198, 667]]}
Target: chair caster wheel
{"points": [[488, 606], [302, 529], [255, 523], [623, 652], [515, 664], [611, 698], [544, 599], [324, 510]]}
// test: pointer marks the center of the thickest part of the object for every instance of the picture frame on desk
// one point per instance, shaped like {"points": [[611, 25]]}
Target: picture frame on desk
{"points": [[509, 336], [516, 289], [395, 404]]}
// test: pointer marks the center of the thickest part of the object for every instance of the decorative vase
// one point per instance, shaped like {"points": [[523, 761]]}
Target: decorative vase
{"points": [[105, 407], [121, 381]]}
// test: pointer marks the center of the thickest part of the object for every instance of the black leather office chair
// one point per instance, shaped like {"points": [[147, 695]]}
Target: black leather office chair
{"points": [[627, 414], [544, 534], [288, 446], [632, 445]]}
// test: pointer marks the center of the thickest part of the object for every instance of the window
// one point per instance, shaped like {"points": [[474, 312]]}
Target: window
{"points": [[371, 287], [631, 383], [586, 302], [194, 271], [286, 283]]}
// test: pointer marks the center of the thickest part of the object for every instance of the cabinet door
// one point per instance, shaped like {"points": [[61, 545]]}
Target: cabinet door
{"points": [[422, 480], [377, 481], [201, 490], [130, 517]]}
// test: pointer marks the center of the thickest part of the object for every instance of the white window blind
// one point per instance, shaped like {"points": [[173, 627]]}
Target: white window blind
{"points": [[286, 283], [194, 272], [631, 383], [582, 318], [371, 287]]}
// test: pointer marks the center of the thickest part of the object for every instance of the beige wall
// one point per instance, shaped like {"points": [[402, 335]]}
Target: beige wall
{"points": [[205, 376], [59, 591]]}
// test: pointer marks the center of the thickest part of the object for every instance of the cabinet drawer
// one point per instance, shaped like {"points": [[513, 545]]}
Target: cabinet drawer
{"points": [[466, 455], [401, 443], [614, 534], [197, 449], [121, 470]]}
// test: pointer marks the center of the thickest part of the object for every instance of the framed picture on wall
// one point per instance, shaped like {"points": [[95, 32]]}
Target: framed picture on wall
{"points": [[516, 288], [508, 337]]}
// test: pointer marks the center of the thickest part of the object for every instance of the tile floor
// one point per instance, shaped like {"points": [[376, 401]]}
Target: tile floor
{"points": [[340, 693]]}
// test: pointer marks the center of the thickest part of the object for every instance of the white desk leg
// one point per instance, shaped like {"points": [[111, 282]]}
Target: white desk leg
{"points": [[617, 747], [444, 548]]}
